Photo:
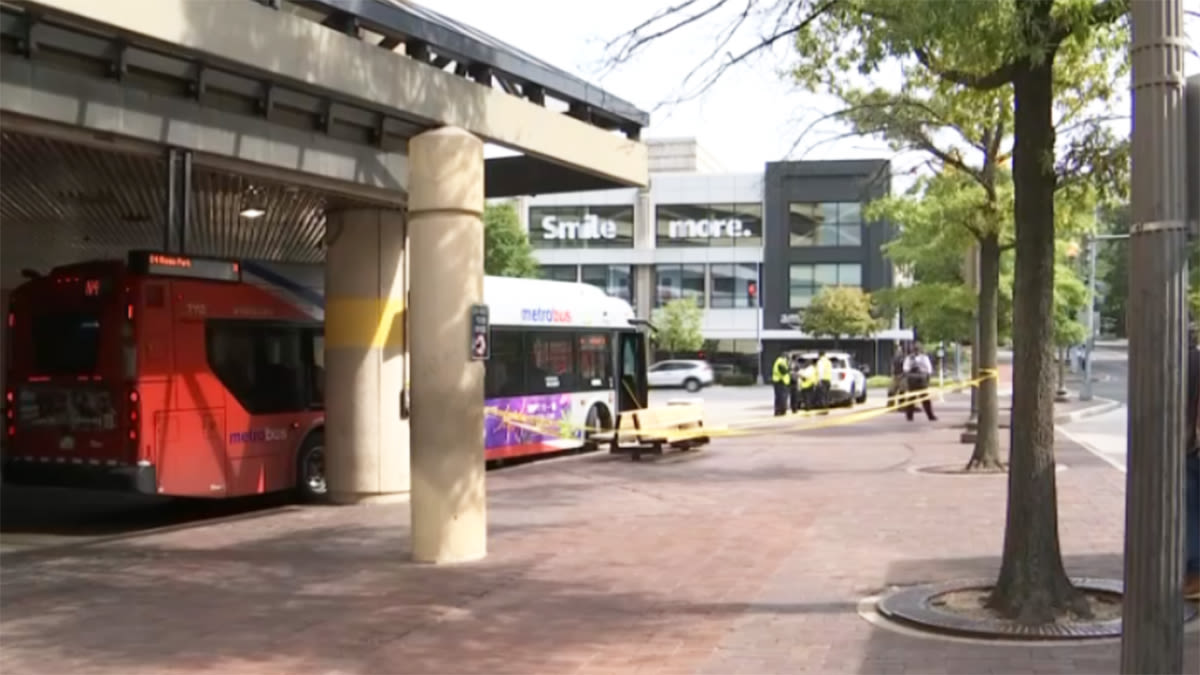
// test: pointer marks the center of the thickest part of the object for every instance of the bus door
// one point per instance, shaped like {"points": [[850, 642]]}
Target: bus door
{"points": [[632, 390]]}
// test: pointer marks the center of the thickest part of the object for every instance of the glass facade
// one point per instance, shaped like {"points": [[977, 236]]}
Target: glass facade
{"points": [[734, 285], [824, 224], [616, 280], [805, 281], [559, 272], [581, 226], [709, 225], [672, 282]]}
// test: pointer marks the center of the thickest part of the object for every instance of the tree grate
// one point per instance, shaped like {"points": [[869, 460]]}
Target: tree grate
{"points": [[914, 606]]}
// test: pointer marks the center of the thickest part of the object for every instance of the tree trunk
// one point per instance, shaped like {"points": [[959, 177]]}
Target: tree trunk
{"points": [[1033, 586], [986, 455]]}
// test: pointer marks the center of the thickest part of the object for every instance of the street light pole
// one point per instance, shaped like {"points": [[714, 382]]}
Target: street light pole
{"points": [[1089, 345], [1152, 607]]}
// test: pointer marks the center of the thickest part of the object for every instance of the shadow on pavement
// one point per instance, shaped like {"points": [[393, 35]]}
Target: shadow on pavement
{"points": [[82, 513]]}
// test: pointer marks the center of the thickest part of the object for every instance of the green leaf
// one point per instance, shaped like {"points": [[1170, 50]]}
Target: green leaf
{"points": [[839, 311], [678, 326], [506, 248]]}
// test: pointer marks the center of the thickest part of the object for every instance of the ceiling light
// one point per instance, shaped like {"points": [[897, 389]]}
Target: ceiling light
{"points": [[252, 213]]}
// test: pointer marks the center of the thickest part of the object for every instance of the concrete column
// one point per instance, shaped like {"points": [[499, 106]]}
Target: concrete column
{"points": [[644, 291], [366, 441], [644, 226], [449, 504]]}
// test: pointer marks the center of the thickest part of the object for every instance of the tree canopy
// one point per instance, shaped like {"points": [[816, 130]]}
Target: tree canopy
{"points": [[678, 326], [506, 248], [839, 311]]}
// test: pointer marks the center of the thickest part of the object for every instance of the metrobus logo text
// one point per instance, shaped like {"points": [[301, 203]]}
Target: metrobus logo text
{"points": [[545, 315], [258, 435]]}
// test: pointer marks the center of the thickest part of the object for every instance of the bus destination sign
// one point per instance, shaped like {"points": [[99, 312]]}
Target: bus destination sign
{"points": [[169, 264]]}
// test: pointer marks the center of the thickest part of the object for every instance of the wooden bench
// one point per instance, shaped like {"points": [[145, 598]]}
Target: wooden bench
{"points": [[649, 429]]}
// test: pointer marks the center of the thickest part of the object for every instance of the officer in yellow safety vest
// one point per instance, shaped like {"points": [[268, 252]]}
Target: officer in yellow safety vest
{"points": [[808, 385], [824, 381], [781, 378]]}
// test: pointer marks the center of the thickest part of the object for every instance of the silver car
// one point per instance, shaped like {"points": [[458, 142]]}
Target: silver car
{"points": [[691, 375]]}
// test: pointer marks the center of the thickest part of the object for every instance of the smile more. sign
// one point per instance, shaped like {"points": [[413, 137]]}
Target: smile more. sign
{"points": [[701, 229], [590, 227]]}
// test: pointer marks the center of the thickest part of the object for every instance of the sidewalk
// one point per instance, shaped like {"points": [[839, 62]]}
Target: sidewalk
{"points": [[746, 557]]}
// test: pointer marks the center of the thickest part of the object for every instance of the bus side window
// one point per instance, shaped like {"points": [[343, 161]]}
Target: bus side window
{"points": [[504, 371], [595, 361], [551, 363], [280, 385], [317, 373], [261, 365]]}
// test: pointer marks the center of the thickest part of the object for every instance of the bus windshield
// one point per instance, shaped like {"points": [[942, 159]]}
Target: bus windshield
{"points": [[65, 343]]}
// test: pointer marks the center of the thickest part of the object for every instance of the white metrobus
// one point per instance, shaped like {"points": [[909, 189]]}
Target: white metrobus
{"points": [[560, 351], [566, 356]]}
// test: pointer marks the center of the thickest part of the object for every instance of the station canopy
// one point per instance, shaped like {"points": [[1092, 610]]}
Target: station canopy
{"points": [[64, 198]]}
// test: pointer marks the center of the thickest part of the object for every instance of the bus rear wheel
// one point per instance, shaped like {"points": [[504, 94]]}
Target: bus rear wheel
{"points": [[311, 486]]}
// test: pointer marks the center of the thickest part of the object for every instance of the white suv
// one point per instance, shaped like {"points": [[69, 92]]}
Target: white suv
{"points": [[691, 375], [849, 383]]}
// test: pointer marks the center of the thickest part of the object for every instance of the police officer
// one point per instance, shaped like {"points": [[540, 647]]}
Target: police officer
{"points": [[917, 371], [808, 385], [781, 379], [794, 391], [824, 381]]}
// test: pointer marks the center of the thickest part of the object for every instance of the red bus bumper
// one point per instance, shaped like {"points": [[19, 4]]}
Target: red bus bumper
{"points": [[33, 471]]}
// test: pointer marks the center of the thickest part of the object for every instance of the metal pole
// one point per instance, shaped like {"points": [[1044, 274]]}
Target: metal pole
{"points": [[1152, 634], [1089, 345], [973, 262]]}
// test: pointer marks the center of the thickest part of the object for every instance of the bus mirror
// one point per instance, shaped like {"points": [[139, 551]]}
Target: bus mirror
{"points": [[643, 322]]}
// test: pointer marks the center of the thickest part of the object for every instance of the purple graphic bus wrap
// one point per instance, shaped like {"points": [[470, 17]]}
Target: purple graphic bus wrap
{"points": [[503, 438]]}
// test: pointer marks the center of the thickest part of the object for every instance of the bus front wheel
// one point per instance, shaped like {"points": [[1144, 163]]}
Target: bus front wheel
{"points": [[310, 469], [597, 419]]}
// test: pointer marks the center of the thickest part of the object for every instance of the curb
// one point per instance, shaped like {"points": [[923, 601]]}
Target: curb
{"points": [[1103, 405]]}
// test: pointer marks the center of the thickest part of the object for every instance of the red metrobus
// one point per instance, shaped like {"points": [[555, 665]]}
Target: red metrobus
{"points": [[165, 375]]}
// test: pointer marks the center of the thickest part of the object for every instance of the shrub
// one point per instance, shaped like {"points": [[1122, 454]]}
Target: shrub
{"points": [[736, 380], [879, 382]]}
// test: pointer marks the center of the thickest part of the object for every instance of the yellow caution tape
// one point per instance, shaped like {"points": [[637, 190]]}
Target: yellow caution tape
{"points": [[793, 422]]}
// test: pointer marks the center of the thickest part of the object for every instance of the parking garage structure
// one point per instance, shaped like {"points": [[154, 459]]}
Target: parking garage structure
{"points": [[325, 132]]}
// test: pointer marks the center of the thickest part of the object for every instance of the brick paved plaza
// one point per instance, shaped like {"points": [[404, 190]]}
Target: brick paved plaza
{"points": [[747, 557]]}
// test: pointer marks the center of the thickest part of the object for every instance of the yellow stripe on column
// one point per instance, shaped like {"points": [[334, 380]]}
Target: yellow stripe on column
{"points": [[364, 323]]}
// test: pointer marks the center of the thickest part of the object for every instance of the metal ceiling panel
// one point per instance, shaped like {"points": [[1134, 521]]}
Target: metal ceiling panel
{"points": [[62, 202]]}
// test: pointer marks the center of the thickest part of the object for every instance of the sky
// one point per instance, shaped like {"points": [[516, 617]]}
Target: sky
{"points": [[752, 115]]}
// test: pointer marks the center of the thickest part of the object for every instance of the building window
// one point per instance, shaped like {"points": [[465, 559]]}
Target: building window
{"points": [[678, 281], [616, 280], [825, 224], [805, 281], [708, 225], [734, 285], [581, 226], [559, 272]]}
